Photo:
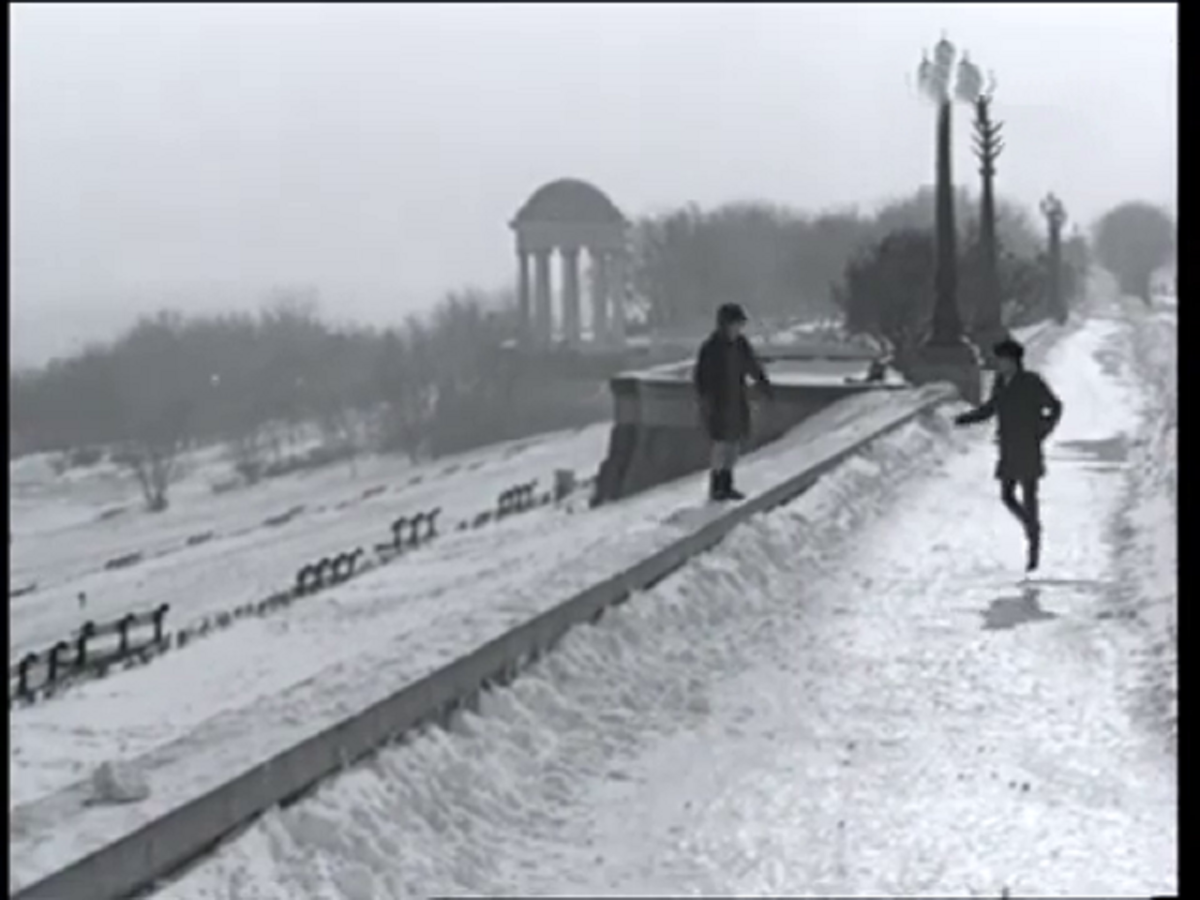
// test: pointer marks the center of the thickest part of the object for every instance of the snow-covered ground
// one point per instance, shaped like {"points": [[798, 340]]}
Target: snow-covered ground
{"points": [[58, 742], [851, 695], [59, 543], [224, 704]]}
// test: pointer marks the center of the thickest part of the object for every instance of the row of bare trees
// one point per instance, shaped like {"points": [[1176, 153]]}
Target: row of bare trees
{"points": [[253, 381]]}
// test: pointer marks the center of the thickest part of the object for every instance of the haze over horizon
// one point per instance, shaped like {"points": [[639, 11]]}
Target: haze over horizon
{"points": [[202, 155]]}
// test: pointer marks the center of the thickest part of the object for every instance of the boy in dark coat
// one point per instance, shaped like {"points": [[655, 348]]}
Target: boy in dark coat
{"points": [[725, 361], [1026, 411]]}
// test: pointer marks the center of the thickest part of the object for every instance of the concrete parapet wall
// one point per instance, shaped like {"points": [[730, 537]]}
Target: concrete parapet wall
{"points": [[657, 437], [135, 860]]}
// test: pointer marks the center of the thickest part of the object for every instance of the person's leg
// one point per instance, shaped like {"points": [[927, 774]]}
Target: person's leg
{"points": [[1029, 500], [1008, 495], [716, 474], [731, 492], [723, 458], [1033, 521]]}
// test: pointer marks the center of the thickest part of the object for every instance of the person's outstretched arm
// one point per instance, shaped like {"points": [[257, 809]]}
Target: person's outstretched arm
{"points": [[980, 413]]}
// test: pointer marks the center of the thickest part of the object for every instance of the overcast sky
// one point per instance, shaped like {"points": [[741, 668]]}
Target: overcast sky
{"points": [[200, 155]]}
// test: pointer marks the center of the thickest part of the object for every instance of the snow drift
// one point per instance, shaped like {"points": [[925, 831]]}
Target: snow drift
{"points": [[413, 820], [1149, 557]]}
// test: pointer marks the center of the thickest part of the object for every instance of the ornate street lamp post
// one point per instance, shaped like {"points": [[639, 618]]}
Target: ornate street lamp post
{"points": [[1056, 216], [941, 83], [947, 356]]}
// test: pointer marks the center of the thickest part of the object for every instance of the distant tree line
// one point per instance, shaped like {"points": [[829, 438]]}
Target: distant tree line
{"points": [[251, 381], [779, 262], [450, 380]]}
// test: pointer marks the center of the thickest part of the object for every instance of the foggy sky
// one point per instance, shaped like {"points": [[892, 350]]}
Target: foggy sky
{"points": [[201, 155]]}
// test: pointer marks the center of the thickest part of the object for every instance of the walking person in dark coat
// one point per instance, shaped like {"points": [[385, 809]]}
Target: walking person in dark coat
{"points": [[1026, 411], [725, 361]]}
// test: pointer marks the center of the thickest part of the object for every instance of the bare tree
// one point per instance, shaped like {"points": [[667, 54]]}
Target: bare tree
{"points": [[157, 394], [247, 453], [1132, 242], [888, 291], [156, 468], [404, 384]]}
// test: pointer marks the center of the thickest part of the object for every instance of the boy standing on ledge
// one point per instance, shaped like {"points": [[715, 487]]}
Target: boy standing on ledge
{"points": [[725, 361]]}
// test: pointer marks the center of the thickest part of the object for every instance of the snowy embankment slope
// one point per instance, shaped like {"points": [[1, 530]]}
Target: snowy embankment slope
{"points": [[246, 561], [601, 664], [1150, 528], [349, 648], [850, 695], [56, 743]]}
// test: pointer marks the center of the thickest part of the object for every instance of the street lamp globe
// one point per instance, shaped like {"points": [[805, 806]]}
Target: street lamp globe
{"points": [[968, 85], [1052, 208], [941, 81], [944, 54]]}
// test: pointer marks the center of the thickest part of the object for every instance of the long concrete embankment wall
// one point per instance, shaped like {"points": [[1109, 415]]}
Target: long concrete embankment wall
{"points": [[124, 864]]}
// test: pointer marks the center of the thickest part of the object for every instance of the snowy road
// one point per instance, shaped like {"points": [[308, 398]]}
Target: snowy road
{"points": [[850, 695]]}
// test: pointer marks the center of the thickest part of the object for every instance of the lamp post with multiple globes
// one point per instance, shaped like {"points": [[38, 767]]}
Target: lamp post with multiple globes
{"points": [[947, 355]]}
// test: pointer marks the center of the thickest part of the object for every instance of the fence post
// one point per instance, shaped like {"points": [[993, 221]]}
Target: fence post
{"points": [[124, 625], [23, 673], [58, 648], [159, 615], [85, 634], [433, 517], [398, 532]]}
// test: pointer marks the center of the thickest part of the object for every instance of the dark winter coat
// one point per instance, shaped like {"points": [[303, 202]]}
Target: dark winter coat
{"points": [[722, 367], [1026, 411]]}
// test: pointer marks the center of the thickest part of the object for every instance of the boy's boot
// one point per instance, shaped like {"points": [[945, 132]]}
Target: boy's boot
{"points": [[730, 492], [715, 486]]}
